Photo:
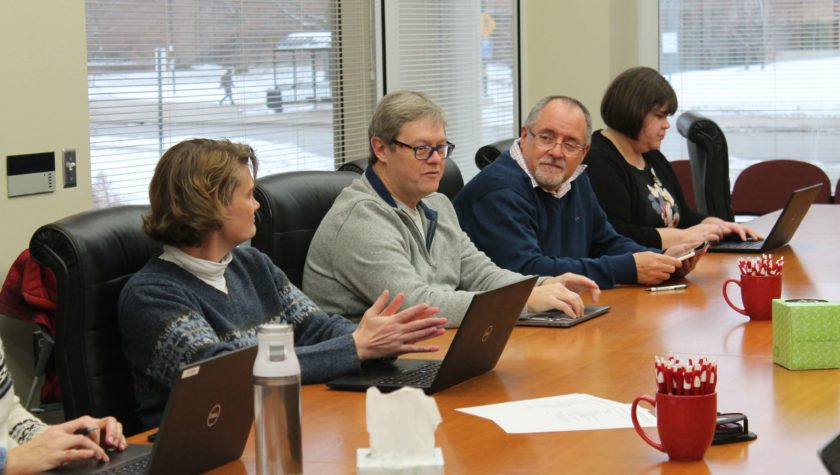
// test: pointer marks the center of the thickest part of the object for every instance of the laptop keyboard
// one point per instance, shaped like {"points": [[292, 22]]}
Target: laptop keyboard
{"points": [[745, 244], [419, 377], [135, 467]]}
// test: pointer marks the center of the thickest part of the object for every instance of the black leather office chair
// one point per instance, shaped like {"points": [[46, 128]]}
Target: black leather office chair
{"points": [[486, 154], [450, 183], [93, 254], [709, 156], [292, 206]]}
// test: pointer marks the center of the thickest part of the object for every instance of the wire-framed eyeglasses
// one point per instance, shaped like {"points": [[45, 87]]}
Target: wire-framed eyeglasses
{"points": [[424, 152], [547, 141]]}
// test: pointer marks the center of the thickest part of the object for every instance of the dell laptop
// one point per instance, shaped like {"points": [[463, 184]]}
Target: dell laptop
{"points": [[206, 424], [560, 319], [792, 215], [475, 349]]}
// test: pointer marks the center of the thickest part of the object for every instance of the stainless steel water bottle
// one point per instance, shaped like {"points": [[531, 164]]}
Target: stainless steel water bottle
{"points": [[277, 402]]}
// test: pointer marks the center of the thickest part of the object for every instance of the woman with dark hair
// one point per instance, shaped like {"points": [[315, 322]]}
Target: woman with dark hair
{"points": [[635, 184], [205, 295]]}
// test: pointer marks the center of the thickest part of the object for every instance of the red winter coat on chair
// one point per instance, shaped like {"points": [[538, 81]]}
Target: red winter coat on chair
{"points": [[29, 294]]}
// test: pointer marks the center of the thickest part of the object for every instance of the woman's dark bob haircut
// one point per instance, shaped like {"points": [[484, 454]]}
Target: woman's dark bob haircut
{"points": [[632, 96]]}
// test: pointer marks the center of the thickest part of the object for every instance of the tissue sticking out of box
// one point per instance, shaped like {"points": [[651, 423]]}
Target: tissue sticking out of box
{"points": [[401, 424]]}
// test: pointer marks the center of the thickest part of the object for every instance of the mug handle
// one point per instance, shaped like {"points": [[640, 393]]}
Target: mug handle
{"points": [[636, 425], [726, 297]]}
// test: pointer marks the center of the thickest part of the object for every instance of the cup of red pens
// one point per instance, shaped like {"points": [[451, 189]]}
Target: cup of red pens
{"points": [[686, 407], [760, 283]]}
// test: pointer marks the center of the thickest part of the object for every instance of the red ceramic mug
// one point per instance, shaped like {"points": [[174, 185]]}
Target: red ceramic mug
{"points": [[686, 424], [757, 294]]}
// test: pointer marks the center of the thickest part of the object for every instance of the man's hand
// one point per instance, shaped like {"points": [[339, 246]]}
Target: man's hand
{"points": [[576, 283], [383, 333], [653, 268], [59, 445], [687, 264], [555, 296]]}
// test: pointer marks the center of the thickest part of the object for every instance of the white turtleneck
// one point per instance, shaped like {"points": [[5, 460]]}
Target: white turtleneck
{"points": [[209, 272]]}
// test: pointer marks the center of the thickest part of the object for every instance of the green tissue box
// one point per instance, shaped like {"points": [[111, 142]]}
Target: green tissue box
{"points": [[806, 334]]}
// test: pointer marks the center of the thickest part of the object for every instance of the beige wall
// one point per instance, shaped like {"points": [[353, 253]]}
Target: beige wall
{"points": [[576, 47], [43, 100]]}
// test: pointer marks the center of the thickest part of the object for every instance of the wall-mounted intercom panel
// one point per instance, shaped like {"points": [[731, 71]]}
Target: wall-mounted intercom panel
{"points": [[30, 173]]}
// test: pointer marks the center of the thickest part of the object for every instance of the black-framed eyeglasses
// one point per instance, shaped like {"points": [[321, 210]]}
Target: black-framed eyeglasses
{"points": [[571, 149], [424, 152]]}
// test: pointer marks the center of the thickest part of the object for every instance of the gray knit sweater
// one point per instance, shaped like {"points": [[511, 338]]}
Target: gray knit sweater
{"points": [[366, 243], [168, 318]]}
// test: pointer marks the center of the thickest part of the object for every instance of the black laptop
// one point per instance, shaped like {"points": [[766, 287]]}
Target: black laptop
{"points": [[560, 319], [205, 425], [475, 349], [792, 215]]}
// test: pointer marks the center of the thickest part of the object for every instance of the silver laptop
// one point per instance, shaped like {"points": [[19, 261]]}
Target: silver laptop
{"points": [[792, 215], [206, 422], [560, 319], [475, 349]]}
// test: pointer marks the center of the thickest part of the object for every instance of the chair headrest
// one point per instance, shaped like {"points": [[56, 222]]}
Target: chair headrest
{"points": [[486, 154]]}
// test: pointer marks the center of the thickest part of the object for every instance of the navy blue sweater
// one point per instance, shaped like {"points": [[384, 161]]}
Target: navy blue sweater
{"points": [[527, 230], [168, 318]]}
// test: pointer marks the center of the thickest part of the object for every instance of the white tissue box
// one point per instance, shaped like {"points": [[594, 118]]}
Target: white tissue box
{"points": [[366, 465]]}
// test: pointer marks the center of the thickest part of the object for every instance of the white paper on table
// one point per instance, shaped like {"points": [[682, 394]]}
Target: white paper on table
{"points": [[561, 413]]}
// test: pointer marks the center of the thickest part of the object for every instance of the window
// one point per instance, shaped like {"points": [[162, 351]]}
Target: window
{"points": [[764, 70], [297, 80], [463, 55], [264, 72]]}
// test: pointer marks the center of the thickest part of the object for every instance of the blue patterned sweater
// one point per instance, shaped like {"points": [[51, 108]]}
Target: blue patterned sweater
{"points": [[168, 318]]}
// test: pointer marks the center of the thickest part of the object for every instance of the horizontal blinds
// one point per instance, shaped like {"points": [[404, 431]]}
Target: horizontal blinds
{"points": [[159, 72], [464, 59], [765, 70]]}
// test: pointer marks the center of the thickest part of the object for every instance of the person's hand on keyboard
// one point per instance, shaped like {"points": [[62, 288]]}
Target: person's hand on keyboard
{"points": [[63, 443]]}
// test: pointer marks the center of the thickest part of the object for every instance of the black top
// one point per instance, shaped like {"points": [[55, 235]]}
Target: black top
{"points": [[638, 201]]}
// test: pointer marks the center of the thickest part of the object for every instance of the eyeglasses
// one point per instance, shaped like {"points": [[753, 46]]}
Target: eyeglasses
{"points": [[571, 149], [424, 152]]}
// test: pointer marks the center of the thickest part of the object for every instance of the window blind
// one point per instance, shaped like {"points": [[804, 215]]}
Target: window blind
{"points": [[463, 54], [765, 70], [300, 77]]}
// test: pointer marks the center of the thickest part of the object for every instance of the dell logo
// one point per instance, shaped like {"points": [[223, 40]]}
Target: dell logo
{"points": [[213, 416], [487, 333]]}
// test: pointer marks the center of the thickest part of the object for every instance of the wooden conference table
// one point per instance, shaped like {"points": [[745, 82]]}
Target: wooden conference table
{"points": [[793, 412]]}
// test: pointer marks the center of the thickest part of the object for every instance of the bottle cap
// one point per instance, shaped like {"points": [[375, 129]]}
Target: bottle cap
{"points": [[274, 329]]}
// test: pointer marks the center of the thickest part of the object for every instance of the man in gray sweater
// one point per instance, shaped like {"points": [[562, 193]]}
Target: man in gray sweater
{"points": [[391, 230]]}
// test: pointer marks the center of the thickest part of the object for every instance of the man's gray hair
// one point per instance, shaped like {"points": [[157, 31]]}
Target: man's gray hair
{"points": [[540, 105], [395, 110]]}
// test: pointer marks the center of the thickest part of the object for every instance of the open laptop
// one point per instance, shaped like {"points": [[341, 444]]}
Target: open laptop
{"points": [[206, 422], [792, 215], [475, 349], [560, 319]]}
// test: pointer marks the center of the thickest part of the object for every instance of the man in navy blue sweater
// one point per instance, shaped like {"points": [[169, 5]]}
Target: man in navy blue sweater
{"points": [[533, 210]]}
